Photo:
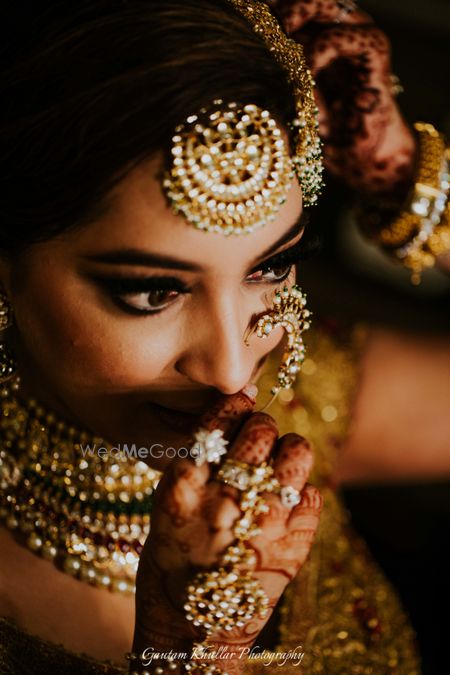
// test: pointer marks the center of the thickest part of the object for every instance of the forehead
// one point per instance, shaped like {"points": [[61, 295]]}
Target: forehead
{"points": [[139, 216]]}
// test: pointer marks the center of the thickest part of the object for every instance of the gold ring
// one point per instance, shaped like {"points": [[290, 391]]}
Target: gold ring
{"points": [[244, 476]]}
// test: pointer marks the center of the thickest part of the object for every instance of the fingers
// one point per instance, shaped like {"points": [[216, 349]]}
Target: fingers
{"points": [[255, 441], [292, 466], [304, 517], [227, 413], [368, 42], [352, 71], [304, 521], [287, 535], [296, 14], [253, 445], [186, 477], [293, 461], [187, 481]]}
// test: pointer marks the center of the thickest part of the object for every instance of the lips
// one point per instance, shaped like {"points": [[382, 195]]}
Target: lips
{"points": [[191, 402], [177, 420], [185, 416], [196, 401], [185, 410]]}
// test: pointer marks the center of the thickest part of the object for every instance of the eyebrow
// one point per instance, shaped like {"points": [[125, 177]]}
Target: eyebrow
{"points": [[131, 256]]}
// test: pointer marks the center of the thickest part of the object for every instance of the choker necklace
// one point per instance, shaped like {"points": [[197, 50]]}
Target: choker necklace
{"points": [[86, 511]]}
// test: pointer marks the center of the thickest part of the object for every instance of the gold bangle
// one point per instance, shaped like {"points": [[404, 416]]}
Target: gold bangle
{"points": [[439, 241], [422, 232], [433, 239], [428, 196]]}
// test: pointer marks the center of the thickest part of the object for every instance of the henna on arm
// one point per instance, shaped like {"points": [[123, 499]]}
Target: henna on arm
{"points": [[367, 143]]}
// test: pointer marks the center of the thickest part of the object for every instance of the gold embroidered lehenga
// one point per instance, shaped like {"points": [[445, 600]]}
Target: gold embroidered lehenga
{"points": [[339, 611]]}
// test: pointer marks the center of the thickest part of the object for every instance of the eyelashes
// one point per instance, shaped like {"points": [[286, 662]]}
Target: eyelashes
{"points": [[290, 256], [119, 285], [163, 291]]}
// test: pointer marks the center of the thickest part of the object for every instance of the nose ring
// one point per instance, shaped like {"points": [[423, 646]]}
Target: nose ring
{"points": [[289, 312]]}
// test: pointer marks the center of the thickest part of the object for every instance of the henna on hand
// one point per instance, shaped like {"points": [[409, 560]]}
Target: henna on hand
{"points": [[193, 520], [367, 143]]}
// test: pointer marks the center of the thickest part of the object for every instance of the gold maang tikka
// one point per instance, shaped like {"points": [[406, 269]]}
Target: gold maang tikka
{"points": [[231, 167], [289, 312], [307, 159]]}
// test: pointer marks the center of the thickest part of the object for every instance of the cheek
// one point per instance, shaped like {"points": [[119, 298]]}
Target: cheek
{"points": [[77, 337]]}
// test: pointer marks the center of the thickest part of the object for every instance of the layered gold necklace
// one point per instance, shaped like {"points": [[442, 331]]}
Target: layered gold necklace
{"points": [[86, 511]]}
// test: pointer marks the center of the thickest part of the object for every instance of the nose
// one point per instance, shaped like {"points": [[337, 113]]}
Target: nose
{"points": [[217, 355]]}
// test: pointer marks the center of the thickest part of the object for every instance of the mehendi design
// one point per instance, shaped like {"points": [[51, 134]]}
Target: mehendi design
{"points": [[367, 144], [193, 523]]}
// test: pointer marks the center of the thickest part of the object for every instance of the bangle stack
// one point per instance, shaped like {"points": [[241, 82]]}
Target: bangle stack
{"points": [[422, 230]]}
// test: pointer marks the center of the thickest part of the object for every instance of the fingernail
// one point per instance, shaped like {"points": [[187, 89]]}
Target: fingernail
{"points": [[251, 391]]}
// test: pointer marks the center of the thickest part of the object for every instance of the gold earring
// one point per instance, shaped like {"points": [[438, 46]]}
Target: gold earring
{"points": [[7, 361], [289, 311]]}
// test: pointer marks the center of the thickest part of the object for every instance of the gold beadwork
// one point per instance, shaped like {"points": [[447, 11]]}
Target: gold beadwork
{"points": [[289, 312], [5, 312], [427, 188], [88, 512], [7, 360], [7, 363], [422, 251], [244, 476], [231, 169], [420, 232], [439, 241], [289, 55], [226, 598], [205, 668], [339, 585]]}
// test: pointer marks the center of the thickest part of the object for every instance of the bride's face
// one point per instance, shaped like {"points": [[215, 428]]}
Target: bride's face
{"points": [[132, 325]]}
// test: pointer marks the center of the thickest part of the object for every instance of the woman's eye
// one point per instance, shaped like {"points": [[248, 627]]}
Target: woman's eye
{"points": [[148, 301], [271, 274]]}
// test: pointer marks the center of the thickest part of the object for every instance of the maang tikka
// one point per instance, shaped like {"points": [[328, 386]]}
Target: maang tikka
{"points": [[231, 170], [7, 362], [289, 312], [231, 166]]}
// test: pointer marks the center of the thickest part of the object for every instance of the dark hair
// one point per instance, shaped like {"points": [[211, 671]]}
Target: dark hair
{"points": [[91, 89]]}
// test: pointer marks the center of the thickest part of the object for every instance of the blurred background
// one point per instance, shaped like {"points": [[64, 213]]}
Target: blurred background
{"points": [[406, 524]]}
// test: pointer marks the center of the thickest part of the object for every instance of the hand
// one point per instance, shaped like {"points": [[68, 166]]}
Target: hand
{"points": [[192, 525], [367, 144]]}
